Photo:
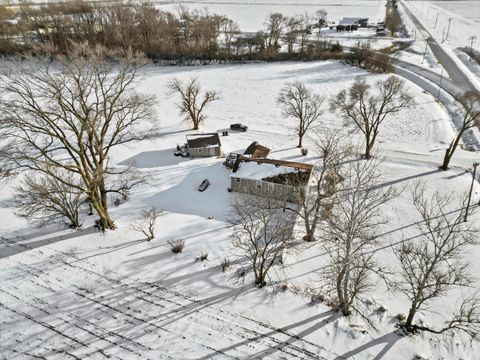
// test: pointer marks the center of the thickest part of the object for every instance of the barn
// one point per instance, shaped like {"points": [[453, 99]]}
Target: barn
{"points": [[351, 24]]}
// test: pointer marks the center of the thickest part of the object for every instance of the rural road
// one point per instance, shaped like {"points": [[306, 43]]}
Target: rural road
{"points": [[456, 74]]}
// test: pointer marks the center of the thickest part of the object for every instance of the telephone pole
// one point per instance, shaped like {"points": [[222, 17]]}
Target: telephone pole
{"points": [[440, 84], [434, 26], [471, 38], [448, 30], [425, 50], [475, 164]]}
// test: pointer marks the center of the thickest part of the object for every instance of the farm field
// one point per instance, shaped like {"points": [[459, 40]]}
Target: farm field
{"points": [[80, 294], [464, 22], [250, 15]]}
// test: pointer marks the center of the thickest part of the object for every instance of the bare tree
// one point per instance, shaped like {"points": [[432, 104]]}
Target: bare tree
{"points": [[322, 20], [230, 31], [322, 17], [263, 232], [68, 116], [471, 118], [275, 24], [46, 199], [314, 205], [367, 110], [435, 262], [192, 101], [302, 104], [292, 31], [305, 30], [352, 234], [122, 181], [146, 223]]}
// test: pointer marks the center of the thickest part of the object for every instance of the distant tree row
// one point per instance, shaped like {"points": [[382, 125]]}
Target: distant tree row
{"points": [[186, 35]]}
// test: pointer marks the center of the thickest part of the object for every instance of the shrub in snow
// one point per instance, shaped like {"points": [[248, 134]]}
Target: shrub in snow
{"points": [[225, 265], [203, 256], [177, 246]]}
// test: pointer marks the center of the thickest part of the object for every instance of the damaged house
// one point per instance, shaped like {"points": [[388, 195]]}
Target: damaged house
{"points": [[278, 179]]}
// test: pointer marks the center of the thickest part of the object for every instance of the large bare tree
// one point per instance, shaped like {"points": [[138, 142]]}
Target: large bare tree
{"points": [[302, 104], [435, 262], [367, 108], [68, 115], [192, 100], [351, 237], [470, 102], [263, 232]]}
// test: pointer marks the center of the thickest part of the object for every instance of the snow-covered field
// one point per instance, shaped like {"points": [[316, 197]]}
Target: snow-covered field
{"points": [[251, 14], [436, 15], [78, 294]]}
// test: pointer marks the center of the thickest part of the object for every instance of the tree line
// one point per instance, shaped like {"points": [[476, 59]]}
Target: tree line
{"points": [[160, 35]]}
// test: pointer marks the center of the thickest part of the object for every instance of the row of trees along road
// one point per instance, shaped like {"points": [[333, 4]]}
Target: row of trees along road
{"points": [[62, 121]]}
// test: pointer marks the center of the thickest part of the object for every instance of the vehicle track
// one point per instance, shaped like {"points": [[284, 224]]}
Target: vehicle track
{"points": [[164, 306]]}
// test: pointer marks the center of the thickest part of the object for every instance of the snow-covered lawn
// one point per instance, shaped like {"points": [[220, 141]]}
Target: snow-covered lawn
{"points": [[78, 294]]}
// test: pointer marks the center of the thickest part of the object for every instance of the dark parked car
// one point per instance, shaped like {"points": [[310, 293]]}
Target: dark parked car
{"points": [[204, 185], [239, 127]]}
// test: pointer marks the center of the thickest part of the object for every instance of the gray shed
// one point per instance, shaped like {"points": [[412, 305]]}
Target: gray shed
{"points": [[204, 145]]}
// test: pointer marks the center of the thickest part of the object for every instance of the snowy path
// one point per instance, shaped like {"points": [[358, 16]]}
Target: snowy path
{"points": [[104, 316]]}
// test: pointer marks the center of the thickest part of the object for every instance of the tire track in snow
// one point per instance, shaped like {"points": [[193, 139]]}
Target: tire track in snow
{"points": [[250, 337]]}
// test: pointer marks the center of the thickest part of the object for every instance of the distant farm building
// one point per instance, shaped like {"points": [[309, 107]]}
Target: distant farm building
{"points": [[351, 24], [277, 179], [204, 145]]}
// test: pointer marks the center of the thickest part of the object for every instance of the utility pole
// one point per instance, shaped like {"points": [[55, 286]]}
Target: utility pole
{"points": [[434, 26], [448, 30], [440, 84], [471, 38], [425, 51], [475, 164], [443, 35]]}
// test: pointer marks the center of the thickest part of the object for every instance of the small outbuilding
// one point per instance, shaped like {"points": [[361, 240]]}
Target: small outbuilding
{"points": [[277, 179], [204, 145]]}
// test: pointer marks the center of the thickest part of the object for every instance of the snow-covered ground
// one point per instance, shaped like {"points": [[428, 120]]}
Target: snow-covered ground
{"points": [[436, 15], [251, 14], [419, 53], [78, 294], [451, 24]]}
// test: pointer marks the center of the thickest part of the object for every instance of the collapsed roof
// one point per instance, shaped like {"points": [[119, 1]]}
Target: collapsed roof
{"points": [[255, 150], [275, 171]]}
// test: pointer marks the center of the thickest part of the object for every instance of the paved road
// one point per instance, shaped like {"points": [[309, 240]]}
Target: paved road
{"points": [[455, 73]]}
